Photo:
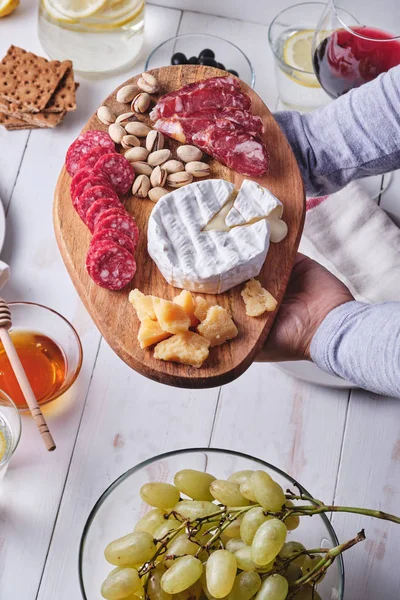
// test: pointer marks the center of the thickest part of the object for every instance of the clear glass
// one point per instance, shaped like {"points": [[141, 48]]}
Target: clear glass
{"points": [[298, 87], [120, 507], [10, 431], [27, 316], [352, 49], [191, 44], [106, 40]]}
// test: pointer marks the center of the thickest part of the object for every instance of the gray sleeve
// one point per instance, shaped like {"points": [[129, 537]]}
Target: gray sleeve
{"points": [[355, 136], [361, 343]]}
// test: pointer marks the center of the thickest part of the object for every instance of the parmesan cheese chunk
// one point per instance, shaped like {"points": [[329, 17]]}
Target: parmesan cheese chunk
{"points": [[186, 300], [201, 308], [186, 348], [257, 299], [150, 333], [171, 317], [218, 326], [143, 305]]}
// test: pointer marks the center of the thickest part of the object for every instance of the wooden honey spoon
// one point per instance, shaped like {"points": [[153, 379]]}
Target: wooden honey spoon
{"points": [[5, 324]]}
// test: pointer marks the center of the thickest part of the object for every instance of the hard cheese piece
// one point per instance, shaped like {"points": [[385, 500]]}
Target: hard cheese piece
{"points": [[143, 305], [186, 348], [150, 333], [186, 300], [201, 308], [171, 317], [257, 299], [218, 326]]}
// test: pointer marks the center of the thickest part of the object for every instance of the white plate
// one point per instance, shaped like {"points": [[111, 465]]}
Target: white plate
{"points": [[2, 225], [309, 372]]}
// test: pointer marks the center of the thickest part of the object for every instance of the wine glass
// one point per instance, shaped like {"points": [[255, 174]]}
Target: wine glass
{"points": [[349, 50]]}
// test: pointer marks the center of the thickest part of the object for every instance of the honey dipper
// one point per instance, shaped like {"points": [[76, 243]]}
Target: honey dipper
{"points": [[5, 324]]}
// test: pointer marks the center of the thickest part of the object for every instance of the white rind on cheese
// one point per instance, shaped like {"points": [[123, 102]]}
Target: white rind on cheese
{"points": [[213, 261]]}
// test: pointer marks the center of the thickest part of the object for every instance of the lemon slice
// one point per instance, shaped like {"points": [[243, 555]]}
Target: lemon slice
{"points": [[3, 446], [117, 12], [54, 13], [297, 53], [7, 7], [78, 9]]}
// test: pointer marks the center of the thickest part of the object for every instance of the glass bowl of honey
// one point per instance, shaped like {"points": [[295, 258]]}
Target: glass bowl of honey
{"points": [[49, 349]]}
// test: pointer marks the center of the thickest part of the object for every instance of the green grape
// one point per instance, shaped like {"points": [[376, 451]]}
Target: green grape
{"points": [[274, 587], [195, 484], [292, 574], [120, 584], [293, 521], [246, 586], [233, 529], [240, 476], [234, 544], [194, 509], [291, 548], [180, 545], [309, 563], [267, 492], [184, 572], [250, 523], [246, 563], [192, 593], [221, 571], [151, 521], [160, 495], [307, 593], [132, 549], [154, 589], [228, 493], [268, 541], [246, 489], [166, 527], [203, 582]]}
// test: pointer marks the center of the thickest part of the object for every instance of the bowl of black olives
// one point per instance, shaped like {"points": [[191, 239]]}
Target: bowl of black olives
{"points": [[202, 49]]}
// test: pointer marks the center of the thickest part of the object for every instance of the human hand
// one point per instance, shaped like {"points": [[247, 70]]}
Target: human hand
{"points": [[311, 294]]}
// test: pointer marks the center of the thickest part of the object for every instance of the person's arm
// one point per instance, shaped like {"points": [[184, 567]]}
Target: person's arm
{"points": [[361, 343], [355, 136]]}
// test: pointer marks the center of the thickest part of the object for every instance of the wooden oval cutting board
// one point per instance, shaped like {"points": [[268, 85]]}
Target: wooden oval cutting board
{"points": [[111, 311]]}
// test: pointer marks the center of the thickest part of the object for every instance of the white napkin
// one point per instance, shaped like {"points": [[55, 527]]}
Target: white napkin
{"points": [[355, 239]]}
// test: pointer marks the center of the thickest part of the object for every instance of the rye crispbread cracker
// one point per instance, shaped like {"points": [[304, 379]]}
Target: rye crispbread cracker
{"points": [[40, 119], [63, 98], [28, 79], [13, 124]]}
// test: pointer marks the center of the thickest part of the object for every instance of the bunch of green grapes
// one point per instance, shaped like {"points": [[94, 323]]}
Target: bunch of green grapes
{"points": [[219, 543]]}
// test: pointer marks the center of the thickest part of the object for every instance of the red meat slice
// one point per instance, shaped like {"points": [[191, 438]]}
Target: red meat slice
{"points": [[77, 178], [84, 144], [89, 196], [120, 221], [110, 265], [98, 208], [118, 170], [237, 149], [116, 236], [91, 158], [88, 182]]}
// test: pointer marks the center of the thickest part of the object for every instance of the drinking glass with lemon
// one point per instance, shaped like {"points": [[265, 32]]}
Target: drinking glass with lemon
{"points": [[99, 36], [291, 36], [10, 431]]}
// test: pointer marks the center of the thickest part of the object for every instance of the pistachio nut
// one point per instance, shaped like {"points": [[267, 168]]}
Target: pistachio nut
{"points": [[137, 128], [116, 132], [177, 180], [154, 140], [141, 102], [130, 141], [105, 115], [173, 166], [159, 157], [126, 93], [158, 177], [141, 186], [142, 168], [189, 153], [136, 154], [156, 193], [148, 83], [126, 118], [197, 168]]}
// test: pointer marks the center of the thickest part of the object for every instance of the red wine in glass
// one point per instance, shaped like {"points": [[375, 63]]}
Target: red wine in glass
{"points": [[345, 60]]}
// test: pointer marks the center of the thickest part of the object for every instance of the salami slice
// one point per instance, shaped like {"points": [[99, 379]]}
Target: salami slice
{"points": [[98, 207], [116, 236], [90, 158], [86, 199], [77, 178], [119, 221], [118, 170], [83, 144], [89, 182], [110, 265]]}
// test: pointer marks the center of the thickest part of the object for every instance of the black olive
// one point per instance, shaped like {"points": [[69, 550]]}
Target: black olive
{"points": [[208, 61], [234, 72], [193, 60], [178, 59], [221, 66], [207, 52]]}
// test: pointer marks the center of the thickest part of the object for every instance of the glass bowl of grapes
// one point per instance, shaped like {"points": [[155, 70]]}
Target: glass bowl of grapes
{"points": [[203, 524], [202, 49]]}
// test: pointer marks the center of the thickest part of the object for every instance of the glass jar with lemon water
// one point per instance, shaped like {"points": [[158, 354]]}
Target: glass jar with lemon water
{"points": [[99, 36], [291, 36]]}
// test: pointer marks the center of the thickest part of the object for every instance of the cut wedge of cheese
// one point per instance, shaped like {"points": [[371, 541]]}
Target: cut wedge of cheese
{"points": [[171, 317], [150, 333], [257, 299], [211, 260], [186, 300], [201, 308], [143, 305], [218, 326], [186, 348]]}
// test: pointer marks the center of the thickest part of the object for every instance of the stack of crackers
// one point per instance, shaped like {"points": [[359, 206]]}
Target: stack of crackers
{"points": [[34, 92]]}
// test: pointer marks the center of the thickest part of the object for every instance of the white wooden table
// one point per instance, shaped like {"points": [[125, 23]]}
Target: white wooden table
{"points": [[344, 447]]}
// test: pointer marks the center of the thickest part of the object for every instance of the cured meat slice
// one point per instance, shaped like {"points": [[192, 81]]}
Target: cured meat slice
{"points": [[121, 221], [88, 182], [237, 149], [229, 83], [77, 178], [118, 170], [83, 144], [116, 236], [110, 265], [91, 158], [98, 208], [86, 199]]}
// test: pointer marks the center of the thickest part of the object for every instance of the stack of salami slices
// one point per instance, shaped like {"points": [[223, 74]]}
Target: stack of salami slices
{"points": [[100, 179], [214, 114]]}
